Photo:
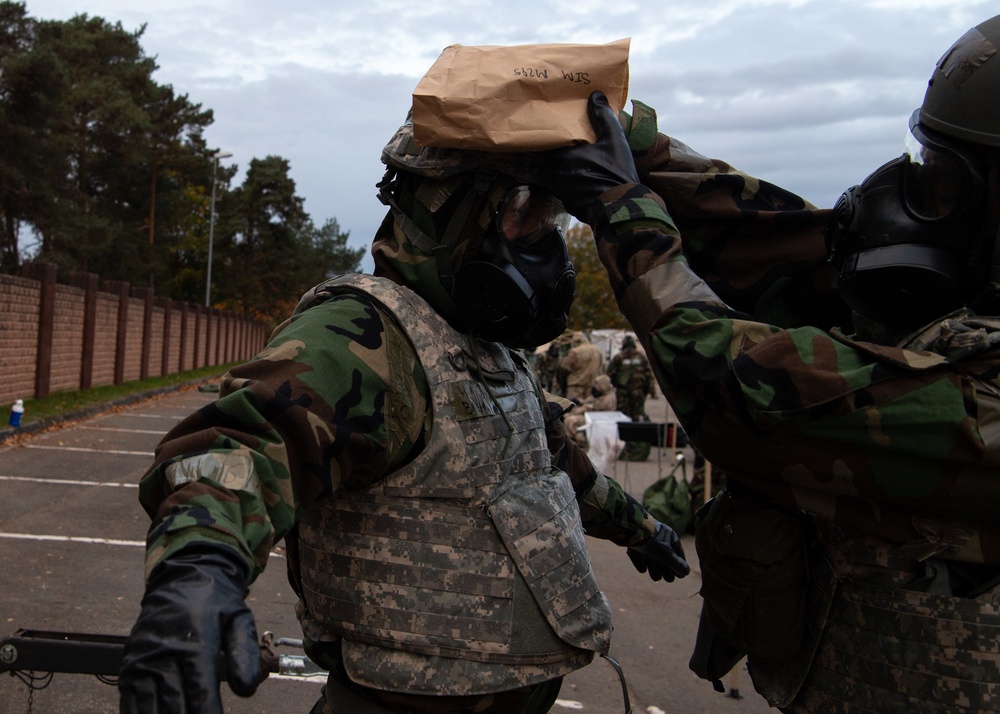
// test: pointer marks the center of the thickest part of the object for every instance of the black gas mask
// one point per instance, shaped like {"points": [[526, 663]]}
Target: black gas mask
{"points": [[908, 242], [518, 286]]}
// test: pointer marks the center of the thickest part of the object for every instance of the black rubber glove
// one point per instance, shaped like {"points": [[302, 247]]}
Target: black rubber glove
{"points": [[580, 173], [193, 622], [661, 555]]}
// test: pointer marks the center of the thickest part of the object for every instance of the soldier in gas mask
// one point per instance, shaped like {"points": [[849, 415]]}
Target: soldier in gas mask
{"points": [[633, 379], [394, 435], [841, 367]]}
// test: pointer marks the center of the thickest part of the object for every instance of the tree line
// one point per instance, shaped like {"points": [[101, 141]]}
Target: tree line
{"points": [[104, 170], [594, 306]]}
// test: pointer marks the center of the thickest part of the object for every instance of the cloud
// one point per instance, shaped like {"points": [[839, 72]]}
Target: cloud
{"points": [[810, 94]]}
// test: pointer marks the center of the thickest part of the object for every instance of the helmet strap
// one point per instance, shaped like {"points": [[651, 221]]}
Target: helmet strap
{"points": [[386, 187], [992, 287], [995, 261]]}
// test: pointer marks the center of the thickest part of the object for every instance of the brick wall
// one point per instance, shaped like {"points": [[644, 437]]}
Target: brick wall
{"points": [[106, 330], [67, 338], [63, 337], [18, 336], [133, 340]]}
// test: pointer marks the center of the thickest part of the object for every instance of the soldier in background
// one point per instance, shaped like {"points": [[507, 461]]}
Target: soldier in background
{"points": [[633, 379], [582, 365], [547, 369], [845, 379], [395, 436], [602, 398]]}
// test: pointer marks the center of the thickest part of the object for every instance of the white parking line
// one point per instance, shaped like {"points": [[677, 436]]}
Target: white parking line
{"points": [[88, 450], [311, 679], [120, 430], [86, 539], [69, 482], [148, 416], [73, 539]]}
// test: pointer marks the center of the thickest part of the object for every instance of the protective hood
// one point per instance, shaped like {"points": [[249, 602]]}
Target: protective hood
{"points": [[458, 233], [409, 245]]}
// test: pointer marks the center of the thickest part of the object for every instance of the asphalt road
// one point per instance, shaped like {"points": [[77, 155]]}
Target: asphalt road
{"points": [[71, 553]]}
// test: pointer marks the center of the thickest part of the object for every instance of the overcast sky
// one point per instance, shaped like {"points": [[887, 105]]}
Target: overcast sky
{"points": [[812, 95]]}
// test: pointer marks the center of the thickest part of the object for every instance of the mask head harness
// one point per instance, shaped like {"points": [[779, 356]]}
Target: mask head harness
{"points": [[908, 241], [515, 282]]}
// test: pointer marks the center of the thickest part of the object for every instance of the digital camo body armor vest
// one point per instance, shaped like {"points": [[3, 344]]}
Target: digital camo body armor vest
{"points": [[882, 640], [465, 571], [887, 648]]}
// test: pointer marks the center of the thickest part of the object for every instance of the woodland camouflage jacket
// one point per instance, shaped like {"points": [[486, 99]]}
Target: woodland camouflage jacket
{"points": [[336, 401], [724, 279]]}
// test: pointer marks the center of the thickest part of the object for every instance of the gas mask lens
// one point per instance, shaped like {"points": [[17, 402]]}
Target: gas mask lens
{"points": [[939, 181], [528, 214]]}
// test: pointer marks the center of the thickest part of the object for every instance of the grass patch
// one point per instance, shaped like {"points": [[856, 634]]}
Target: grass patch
{"points": [[63, 403]]}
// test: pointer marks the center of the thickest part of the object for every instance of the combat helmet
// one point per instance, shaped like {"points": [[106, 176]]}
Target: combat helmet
{"points": [[404, 154], [962, 100]]}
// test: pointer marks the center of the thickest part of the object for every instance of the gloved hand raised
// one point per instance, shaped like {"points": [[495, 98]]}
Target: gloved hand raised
{"points": [[661, 555], [580, 173], [193, 621]]}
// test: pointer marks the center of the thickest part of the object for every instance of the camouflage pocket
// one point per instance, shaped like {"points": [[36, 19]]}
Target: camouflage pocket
{"points": [[754, 575], [539, 521]]}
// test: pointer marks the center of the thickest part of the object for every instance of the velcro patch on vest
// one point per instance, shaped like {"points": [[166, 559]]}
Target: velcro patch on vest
{"points": [[470, 401]]}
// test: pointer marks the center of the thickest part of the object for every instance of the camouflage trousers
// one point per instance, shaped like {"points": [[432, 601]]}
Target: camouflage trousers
{"points": [[340, 699], [632, 404]]}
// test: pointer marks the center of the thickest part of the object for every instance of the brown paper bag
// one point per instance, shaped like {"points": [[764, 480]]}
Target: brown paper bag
{"points": [[520, 98]]}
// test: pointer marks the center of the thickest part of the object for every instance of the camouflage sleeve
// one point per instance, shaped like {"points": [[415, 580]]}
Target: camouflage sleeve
{"points": [[800, 414], [759, 247], [306, 417], [606, 510]]}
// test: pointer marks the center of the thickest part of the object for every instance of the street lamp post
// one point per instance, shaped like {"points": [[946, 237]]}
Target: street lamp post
{"points": [[211, 226]]}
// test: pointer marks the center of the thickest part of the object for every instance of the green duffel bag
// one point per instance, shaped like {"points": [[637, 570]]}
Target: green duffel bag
{"points": [[669, 501]]}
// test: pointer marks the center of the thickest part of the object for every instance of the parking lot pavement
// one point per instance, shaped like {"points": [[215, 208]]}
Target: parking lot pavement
{"points": [[71, 552]]}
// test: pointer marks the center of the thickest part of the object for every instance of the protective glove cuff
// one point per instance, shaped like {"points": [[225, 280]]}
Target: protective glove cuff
{"points": [[661, 555], [223, 558]]}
